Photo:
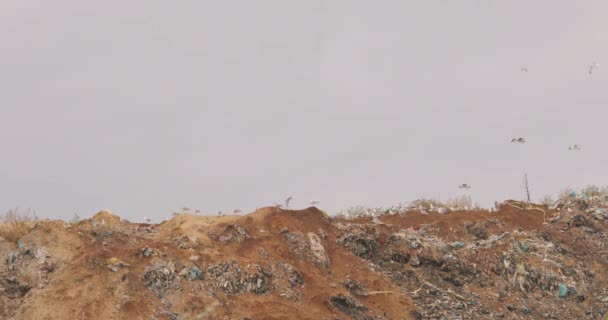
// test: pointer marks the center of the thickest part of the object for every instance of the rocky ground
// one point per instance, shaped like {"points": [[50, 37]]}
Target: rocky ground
{"points": [[520, 262]]}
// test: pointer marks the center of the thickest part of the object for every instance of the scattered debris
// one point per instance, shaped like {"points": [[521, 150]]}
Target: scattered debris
{"points": [[115, 264], [149, 252]]}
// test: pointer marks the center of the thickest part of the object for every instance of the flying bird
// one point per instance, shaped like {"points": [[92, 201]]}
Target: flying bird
{"points": [[236, 211], [185, 209], [524, 69], [464, 186], [314, 203], [287, 201], [574, 147], [594, 66], [518, 140]]}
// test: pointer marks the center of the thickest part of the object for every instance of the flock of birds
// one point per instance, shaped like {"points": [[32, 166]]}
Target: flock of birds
{"points": [[592, 68], [522, 140], [374, 212]]}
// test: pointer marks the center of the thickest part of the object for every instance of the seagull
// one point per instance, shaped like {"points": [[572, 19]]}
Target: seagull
{"points": [[464, 186], [574, 147], [219, 213], [518, 140], [593, 67], [147, 220], [236, 211], [287, 201], [314, 203], [524, 69], [185, 209]]}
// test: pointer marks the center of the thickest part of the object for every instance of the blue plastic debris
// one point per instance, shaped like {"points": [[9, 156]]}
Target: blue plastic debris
{"points": [[458, 245], [293, 282], [573, 193], [523, 247], [562, 290], [195, 273]]}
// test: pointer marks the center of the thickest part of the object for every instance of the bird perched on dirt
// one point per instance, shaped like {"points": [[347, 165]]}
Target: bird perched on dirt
{"points": [[464, 186], [518, 140], [574, 147], [594, 66]]}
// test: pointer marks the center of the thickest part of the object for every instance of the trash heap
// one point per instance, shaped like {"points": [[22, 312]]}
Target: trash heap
{"points": [[161, 277], [308, 247], [233, 233], [595, 206], [185, 242], [350, 306], [27, 268], [232, 278], [501, 274]]}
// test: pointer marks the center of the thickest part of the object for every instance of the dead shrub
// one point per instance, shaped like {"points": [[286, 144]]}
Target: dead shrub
{"points": [[15, 223]]}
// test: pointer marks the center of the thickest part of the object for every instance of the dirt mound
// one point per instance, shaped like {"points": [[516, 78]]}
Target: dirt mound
{"points": [[106, 217], [517, 263]]}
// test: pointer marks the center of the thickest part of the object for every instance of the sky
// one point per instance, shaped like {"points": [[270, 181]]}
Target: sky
{"points": [[143, 107]]}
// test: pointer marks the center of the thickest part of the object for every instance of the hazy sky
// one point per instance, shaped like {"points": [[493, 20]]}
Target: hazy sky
{"points": [[143, 107]]}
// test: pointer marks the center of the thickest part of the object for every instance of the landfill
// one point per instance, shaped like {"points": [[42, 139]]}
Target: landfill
{"points": [[519, 261]]}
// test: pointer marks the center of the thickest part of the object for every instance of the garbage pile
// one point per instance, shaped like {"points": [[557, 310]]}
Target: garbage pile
{"points": [[27, 268], [361, 240], [185, 242], [516, 274], [308, 247], [351, 307], [234, 233], [232, 278], [354, 287], [161, 277], [525, 261], [595, 206]]}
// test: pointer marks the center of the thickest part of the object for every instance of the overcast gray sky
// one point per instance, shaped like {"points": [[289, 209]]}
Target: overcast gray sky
{"points": [[143, 107]]}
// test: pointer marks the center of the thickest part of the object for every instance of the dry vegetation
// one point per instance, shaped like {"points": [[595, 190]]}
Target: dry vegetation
{"points": [[15, 223]]}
